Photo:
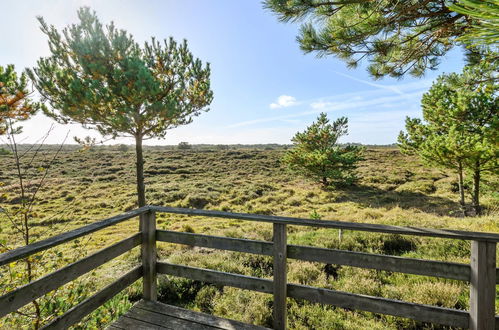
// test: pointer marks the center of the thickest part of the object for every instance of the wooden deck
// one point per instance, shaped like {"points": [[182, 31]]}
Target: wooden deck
{"points": [[153, 315], [481, 273]]}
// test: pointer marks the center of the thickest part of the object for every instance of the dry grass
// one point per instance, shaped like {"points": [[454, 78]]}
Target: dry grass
{"points": [[392, 189]]}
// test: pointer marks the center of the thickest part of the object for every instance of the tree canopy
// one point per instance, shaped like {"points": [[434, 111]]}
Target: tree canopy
{"points": [[460, 129], [396, 37], [15, 101], [102, 78], [484, 27], [317, 154]]}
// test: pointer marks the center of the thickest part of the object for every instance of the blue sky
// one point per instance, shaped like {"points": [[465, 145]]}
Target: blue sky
{"points": [[265, 88]]}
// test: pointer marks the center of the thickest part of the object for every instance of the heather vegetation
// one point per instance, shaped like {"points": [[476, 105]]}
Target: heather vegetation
{"points": [[392, 188], [99, 77]]}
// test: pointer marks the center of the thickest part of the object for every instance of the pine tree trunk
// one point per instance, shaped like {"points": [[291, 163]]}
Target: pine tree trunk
{"points": [[141, 191], [476, 189], [461, 188]]}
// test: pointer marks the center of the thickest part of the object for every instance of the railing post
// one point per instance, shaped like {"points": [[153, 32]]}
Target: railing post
{"points": [[148, 254], [482, 285], [280, 278]]}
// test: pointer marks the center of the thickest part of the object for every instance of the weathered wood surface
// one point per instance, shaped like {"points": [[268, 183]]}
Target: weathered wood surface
{"points": [[154, 315], [28, 250], [441, 269], [216, 277], [84, 308], [15, 299], [482, 286], [216, 242], [128, 323], [442, 233], [280, 276], [148, 255], [197, 317], [425, 313]]}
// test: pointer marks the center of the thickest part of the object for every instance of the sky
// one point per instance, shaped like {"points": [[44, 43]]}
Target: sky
{"points": [[265, 88]]}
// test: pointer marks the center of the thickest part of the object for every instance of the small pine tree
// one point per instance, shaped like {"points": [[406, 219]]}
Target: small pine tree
{"points": [[100, 77], [317, 155], [460, 126]]}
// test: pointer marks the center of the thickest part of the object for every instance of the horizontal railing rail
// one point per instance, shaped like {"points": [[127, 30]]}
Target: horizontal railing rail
{"points": [[357, 226], [23, 295], [14, 300], [26, 251], [449, 270], [419, 312], [481, 273], [87, 306]]}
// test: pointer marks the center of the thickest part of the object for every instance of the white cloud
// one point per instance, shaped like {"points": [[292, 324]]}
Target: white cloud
{"points": [[357, 104], [284, 101]]}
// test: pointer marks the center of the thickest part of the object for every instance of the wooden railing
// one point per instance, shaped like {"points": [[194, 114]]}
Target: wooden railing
{"points": [[481, 273]]}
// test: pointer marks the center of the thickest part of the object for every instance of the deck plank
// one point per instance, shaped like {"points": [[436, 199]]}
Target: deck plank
{"points": [[154, 315], [125, 322], [166, 320], [196, 317]]}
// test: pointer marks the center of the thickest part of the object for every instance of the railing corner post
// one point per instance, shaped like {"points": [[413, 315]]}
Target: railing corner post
{"points": [[482, 285], [148, 255], [280, 276]]}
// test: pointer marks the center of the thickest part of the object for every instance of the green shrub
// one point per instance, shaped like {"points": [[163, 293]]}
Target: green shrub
{"points": [[205, 298]]}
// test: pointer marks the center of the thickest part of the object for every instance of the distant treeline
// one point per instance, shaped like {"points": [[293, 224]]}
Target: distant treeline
{"points": [[128, 147]]}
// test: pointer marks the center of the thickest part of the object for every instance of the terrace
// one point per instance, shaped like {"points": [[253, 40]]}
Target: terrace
{"points": [[481, 273]]}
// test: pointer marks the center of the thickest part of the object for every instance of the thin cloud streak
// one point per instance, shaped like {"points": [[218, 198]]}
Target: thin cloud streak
{"points": [[392, 88], [345, 105]]}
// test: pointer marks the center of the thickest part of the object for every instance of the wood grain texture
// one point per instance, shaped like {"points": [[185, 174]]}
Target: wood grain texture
{"points": [[425, 313], [15, 299], [84, 308], [200, 318], [376, 228], [130, 323], [216, 277], [216, 242], [441, 269], [482, 286], [28, 250], [280, 276], [148, 255]]}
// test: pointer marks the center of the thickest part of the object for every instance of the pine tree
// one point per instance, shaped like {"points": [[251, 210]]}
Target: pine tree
{"points": [[15, 98], [461, 125], [395, 36], [316, 153], [484, 28], [101, 78]]}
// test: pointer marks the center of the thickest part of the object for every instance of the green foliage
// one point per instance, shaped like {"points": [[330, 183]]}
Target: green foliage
{"points": [[484, 27], [461, 123], [396, 37], [316, 153], [246, 180], [123, 148], [101, 78], [15, 101]]}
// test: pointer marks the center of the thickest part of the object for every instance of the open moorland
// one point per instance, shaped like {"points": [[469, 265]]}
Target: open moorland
{"points": [[86, 186]]}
